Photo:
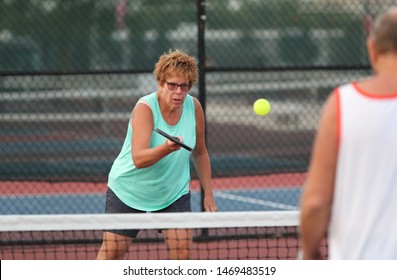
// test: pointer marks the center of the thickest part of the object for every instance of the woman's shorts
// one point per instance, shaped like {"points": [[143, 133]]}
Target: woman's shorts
{"points": [[115, 206]]}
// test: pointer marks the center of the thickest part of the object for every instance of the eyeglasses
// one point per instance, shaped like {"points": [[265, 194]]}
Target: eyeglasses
{"points": [[174, 86]]}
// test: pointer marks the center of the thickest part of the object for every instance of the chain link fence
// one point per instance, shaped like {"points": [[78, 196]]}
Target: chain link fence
{"points": [[71, 72]]}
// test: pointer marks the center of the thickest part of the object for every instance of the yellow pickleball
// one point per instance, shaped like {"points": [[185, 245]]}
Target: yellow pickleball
{"points": [[262, 107]]}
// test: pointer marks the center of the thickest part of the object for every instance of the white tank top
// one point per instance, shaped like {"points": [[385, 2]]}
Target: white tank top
{"points": [[364, 213]]}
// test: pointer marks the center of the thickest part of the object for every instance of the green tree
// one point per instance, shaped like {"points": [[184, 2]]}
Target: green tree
{"points": [[67, 35], [148, 25]]}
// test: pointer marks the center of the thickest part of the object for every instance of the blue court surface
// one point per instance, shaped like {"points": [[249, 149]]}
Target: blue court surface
{"points": [[276, 199]]}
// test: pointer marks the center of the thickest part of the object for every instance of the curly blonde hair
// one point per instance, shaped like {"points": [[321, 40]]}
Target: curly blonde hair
{"points": [[176, 63]]}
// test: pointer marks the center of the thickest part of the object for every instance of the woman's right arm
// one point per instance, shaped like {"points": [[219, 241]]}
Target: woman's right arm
{"points": [[142, 127]]}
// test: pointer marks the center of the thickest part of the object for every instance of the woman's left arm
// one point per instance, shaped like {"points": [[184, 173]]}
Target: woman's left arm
{"points": [[201, 159]]}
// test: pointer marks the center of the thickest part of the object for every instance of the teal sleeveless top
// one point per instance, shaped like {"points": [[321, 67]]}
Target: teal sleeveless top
{"points": [[156, 187]]}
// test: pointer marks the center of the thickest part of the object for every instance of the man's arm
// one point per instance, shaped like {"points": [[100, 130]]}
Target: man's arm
{"points": [[316, 201]]}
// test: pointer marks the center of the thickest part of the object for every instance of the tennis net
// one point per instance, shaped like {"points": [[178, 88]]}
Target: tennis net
{"points": [[220, 235]]}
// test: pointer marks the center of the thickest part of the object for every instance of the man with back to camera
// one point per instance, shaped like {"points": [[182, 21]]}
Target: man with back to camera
{"points": [[351, 188]]}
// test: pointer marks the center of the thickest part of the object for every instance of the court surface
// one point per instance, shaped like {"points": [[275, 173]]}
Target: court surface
{"points": [[255, 193]]}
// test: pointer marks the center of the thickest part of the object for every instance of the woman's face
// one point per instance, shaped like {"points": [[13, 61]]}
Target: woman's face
{"points": [[174, 90]]}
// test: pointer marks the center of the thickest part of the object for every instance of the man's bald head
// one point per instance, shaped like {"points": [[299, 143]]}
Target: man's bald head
{"points": [[384, 32]]}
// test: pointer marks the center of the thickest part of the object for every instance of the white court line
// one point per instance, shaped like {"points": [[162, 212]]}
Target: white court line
{"points": [[255, 201]]}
